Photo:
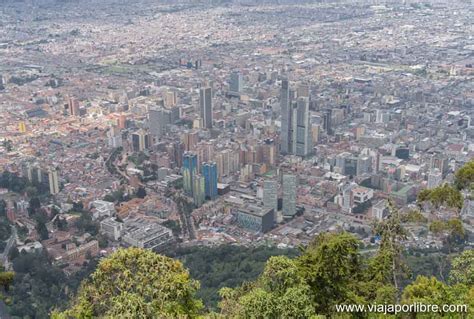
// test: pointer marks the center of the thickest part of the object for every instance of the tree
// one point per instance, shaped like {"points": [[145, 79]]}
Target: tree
{"points": [[442, 195], [431, 291], [388, 266], [138, 283], [6, 279], [331, 266], [465, 176], [462, 269], [280, 292]]}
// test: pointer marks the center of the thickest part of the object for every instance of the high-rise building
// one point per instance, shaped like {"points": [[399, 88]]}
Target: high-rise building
{"points": [[205, 104], [270, 196], [175, 152], [435, 177], [199, 190], [209, 171], [285, 136], [190, 140], [235, 83], [114, 137], [440, 162], [140, 141], [269, 152], [170, 99], [364, 165], [53, 181], [189, 171], [289, 185], [302, 136], [73, 106], [327, 122], [157, 121]]}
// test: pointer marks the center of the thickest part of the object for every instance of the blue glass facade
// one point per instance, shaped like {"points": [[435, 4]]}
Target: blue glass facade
{"points": [[209, 171], [189, 171]]}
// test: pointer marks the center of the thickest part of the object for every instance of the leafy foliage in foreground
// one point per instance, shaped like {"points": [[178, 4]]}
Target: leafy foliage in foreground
{"points": [[442, 195], [136, 283], [464, 177], [225, 266]]}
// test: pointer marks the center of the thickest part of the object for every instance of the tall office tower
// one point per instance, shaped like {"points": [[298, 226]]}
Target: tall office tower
{"points": [[190, 140], [289, 186], [235, 83], [157, 120], [205, 151], [270, 196], [435, 178], [199, 192], [209, 171], [73, 106], [327, 122], [269, 152], [302, 136], [175, 151], [440, 162], [114, 137], [170, 99], [53, 181], [189, 171], [285, 109], [205, 104], [140, 141], [364, 165]]}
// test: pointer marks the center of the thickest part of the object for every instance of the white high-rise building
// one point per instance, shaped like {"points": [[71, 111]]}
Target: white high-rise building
{"points": [[435, 177], [53, 181]]}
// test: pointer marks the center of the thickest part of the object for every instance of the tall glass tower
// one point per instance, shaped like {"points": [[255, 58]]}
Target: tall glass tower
{"points": [[189, 171], [209, 171]]}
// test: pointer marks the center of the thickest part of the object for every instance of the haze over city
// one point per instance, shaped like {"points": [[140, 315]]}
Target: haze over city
{"points": [[227, 140]]}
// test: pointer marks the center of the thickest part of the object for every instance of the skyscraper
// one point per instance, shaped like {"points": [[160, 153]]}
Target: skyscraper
{"points": [[435, 178], [157, 122], [73, 106], [289, 185], [270, 195], [235, 83], [189, 171], [302, 136], [114, 137], [327, 122], [53, 180], [205, 104], [190, 140], [285, 117], [199, 193], [140, 141], [209, 171]]}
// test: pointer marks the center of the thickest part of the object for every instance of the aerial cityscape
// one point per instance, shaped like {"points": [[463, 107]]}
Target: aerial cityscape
{"points": [[222, 133]]}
